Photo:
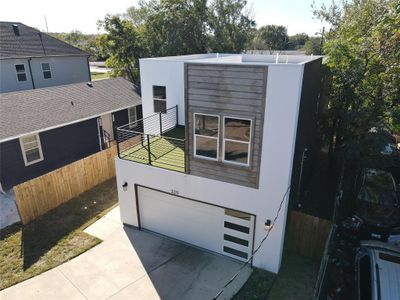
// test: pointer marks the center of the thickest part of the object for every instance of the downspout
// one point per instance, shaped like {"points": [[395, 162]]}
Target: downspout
{"points": [[88, 66], [30, 72]]}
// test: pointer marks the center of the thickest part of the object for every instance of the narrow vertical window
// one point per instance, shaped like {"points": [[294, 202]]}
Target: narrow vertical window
{"points": [[46, 70], [21, 74], [206, 136], [237, 140], [132, 118], [159, 98], [31, 149]]}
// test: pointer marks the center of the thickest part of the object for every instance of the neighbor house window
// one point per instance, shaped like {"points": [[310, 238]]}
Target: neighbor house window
{"points": [[206, 136], [31, 149], [236, 141], [21, 74], [46, 70], [132, 117], [159, 98]]}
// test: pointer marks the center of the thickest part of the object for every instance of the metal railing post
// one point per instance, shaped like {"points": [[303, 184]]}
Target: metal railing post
{"points": [[160, 123], [117, 134], [176, 111], [148, 148]]}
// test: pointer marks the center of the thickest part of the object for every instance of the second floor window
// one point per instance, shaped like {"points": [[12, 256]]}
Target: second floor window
{"points": [[159, 98], [21, 74], [46, 70], [237, 136], [206, 136]]}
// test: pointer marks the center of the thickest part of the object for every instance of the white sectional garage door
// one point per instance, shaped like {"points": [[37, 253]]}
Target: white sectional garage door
{"points": [[221, 230]]}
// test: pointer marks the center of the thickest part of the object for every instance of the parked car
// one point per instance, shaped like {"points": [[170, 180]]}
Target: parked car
{"points": [[377, 271], [377, 201]]}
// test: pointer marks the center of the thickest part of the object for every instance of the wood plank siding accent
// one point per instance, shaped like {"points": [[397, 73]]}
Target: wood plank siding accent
{"points": [[226, 90]]}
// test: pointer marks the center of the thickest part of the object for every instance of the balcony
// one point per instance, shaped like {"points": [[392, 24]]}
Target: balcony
{"points": [[156, 140]]}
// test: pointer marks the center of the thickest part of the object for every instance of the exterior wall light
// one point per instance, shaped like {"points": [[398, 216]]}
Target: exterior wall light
{"points": [[125, 186], [267, 224]]}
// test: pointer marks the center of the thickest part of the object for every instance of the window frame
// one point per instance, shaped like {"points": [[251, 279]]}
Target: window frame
{"points": [[132, 124], [39, 147], [237, 141], [16, 73], [159, 99], [205, 136], [49, 70]]}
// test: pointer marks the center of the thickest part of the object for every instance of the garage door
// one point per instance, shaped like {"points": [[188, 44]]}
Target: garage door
{"points": [[218, 229]]}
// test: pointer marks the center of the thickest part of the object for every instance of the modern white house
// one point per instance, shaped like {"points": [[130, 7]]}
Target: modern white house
{"points": [[30, 59], [215, 153]]}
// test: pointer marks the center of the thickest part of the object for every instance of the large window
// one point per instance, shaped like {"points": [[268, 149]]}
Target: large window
{"points": [[46, 70], [21, 74], [206, 136], [132, 117], [236, 141], [159, 98], [31, 149]]}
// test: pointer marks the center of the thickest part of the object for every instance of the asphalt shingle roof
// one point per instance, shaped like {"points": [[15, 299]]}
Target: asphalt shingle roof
{"points": [[27, 111], [31, 43]]}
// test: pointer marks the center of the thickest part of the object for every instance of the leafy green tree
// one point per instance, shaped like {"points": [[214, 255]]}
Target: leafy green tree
{"points": [[231, 25], [123, 45], [297, 41], [274, 37], [362, 52], [313, 46]]}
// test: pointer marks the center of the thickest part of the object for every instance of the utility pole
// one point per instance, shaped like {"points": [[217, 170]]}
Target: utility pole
{"points": [[45, 20]]}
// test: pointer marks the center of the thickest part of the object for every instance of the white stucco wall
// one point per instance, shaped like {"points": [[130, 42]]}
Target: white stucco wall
{"points": [[168, 73], [282, 104], [64, 70]]}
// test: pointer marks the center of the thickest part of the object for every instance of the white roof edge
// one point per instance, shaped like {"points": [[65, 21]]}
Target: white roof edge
{"points": [[65, 124]]}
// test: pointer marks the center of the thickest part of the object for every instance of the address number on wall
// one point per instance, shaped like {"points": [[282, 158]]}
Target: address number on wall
{"points": [[174, 192]]}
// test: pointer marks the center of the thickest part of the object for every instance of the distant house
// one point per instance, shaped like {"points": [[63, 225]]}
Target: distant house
{"points": [[31, 59], [44, 129]]}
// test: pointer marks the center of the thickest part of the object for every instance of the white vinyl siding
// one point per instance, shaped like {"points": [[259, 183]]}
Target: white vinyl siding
{"points": [[31, 149], [206, 136]]}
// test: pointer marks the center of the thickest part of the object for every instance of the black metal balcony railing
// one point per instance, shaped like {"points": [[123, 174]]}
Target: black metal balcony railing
{"points": [[156, 140]]}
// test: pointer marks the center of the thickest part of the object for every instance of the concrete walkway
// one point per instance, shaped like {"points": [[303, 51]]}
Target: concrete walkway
{"points": [[133, 264]]}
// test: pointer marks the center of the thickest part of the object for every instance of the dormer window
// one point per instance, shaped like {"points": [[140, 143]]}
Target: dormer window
{"points": [[46, 70], [21, 74], [159, 98]]}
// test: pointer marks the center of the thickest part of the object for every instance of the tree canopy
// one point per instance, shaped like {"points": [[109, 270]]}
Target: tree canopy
{"points": [[362, 52]]}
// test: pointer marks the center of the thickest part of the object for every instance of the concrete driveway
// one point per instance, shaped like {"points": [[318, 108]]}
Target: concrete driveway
{"points": [[133, 264]]}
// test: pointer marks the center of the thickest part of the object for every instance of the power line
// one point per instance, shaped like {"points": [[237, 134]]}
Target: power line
{"points": [[255, 251]]}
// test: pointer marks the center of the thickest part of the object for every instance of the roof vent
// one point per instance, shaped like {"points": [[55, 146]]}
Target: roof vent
{"points": [[16, 29], [72, 103], [89, 84]]}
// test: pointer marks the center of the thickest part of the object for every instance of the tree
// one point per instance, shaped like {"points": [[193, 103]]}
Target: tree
{"points": [[297, 41], [313, 46], [362, 52], [274, 37], [122, 43], [231, 25]]}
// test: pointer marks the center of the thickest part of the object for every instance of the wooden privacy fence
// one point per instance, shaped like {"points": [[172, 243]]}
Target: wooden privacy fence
{"points": [[306, 235], [39, 195]]}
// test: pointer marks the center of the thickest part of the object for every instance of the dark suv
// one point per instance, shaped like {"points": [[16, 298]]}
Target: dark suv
{"points": [[377, 201]]}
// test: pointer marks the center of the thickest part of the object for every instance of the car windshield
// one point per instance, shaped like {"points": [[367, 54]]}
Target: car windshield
{"points": [[379, 189]]}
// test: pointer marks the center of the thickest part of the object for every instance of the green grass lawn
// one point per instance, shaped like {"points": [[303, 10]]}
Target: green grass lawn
{"points": [[98, 76], [164, 152], [57, 236]]}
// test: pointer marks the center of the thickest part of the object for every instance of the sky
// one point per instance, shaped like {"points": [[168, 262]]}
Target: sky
{"points": [[82, 15]]}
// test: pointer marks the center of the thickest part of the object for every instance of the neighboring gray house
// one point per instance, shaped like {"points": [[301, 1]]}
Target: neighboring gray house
{"points": [[31, 59]]}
